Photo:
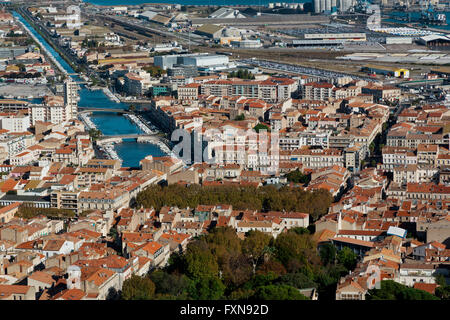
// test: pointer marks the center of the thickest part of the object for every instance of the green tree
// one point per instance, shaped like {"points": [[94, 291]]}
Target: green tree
{"points": [[138, 288], [155, 71], [30, 212], [296, 252], [391, 290], [200, 262], [443, 292], [236, 269], [241, 294], [132, 108], [241, 74], [271, 266], [371, 147], [296, 280], [347, 258], [297, 177], [174, 285], [440, 279], [280, 292], [114, 234], [327, 253], [261, 126], [240, 117], [267, 198], [207, 288], [300, 230], [95, 134], [255, 245]]}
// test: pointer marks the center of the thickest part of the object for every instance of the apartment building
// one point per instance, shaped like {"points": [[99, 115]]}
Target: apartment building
{"points": [[103, 200], [415, 173], [188, 92], [89, 176], [318, 91], [317, 158], [398, 157], [64, 199], [14, 122], [291, 140], [270, 90]]}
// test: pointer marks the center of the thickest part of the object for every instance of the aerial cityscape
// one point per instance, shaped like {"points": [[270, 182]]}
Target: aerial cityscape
{"points": [[225, 150]]}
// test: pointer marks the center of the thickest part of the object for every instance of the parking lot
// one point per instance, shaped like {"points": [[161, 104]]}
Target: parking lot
{"points": [[326, 74], [23, 91]]}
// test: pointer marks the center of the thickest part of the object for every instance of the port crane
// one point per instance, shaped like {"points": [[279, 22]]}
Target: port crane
{"points": [[362, 6]]}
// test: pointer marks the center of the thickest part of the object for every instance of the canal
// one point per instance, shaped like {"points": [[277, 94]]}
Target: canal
{"points": [[108, 123]]}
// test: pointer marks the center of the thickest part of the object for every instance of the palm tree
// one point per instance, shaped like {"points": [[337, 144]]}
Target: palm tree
{"points": [[132, 108]]}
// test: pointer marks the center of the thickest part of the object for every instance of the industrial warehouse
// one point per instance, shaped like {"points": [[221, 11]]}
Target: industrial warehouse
{"points": [[196, 60], [328, 39], [438, 42], [387, 71]]}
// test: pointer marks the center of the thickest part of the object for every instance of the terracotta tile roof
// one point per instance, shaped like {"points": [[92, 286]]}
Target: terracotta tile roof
{"points": [[428, 287], [355, 241], [42, 277], [72, 294], [7, 290], [150, 247]]}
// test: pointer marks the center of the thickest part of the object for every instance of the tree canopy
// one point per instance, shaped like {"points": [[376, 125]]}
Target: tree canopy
{"points": [[347, 258], [242, 74], [138, 288], [261, 126], [264, 198], [28, 212], [297, 177], [391, 290], [221, 265], [280, 292], [155, 71]]}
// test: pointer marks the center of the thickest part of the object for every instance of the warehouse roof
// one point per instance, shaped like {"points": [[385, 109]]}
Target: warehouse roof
{"points": [[148, 14], [209, 29], [226, 13], [159, 18], [433, 37]]}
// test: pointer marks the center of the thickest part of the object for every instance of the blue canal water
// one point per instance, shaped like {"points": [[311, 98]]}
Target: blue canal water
{"points": [[130, 152], [112, 124], [97, 99]]}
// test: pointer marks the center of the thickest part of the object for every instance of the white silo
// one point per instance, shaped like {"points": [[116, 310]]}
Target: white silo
{"points": [[333, 4], [344, 5], [322, 5], [327, 5], [317, 6]]}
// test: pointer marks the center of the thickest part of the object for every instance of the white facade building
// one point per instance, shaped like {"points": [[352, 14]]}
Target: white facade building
{"points": [[15, 123]]}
